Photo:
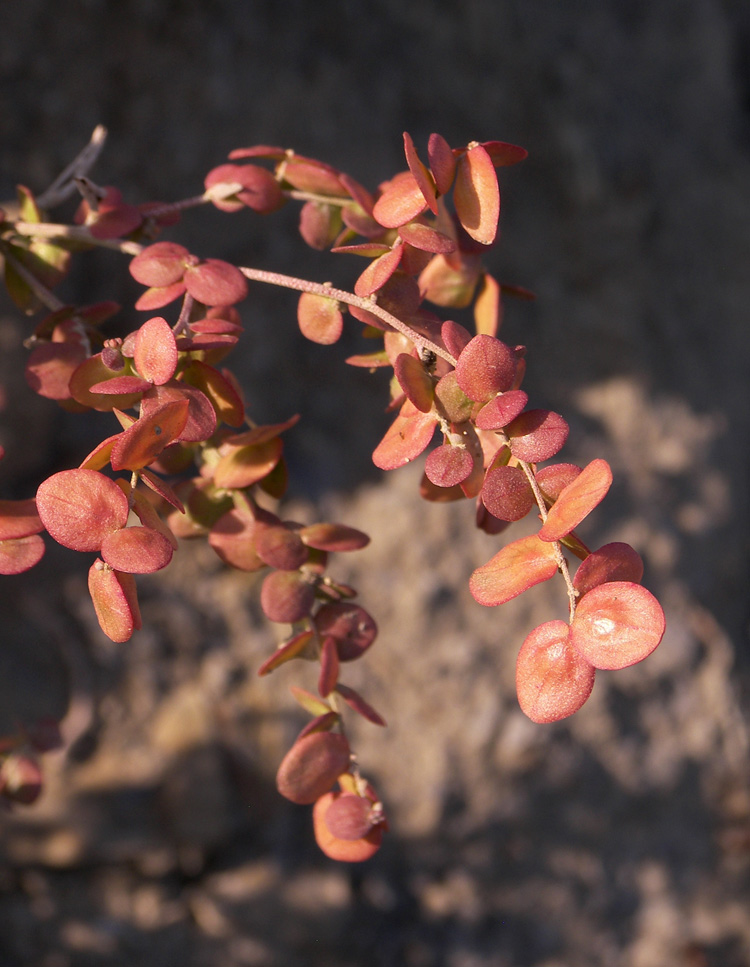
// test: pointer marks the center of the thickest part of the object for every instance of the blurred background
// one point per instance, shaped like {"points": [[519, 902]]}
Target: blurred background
{"points": [[619, 838]]}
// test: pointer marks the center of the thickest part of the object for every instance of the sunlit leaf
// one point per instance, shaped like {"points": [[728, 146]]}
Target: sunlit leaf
{"points": [[442, 162], [245, 465], [343, 850], [142, 442], [488, 308], [407, 437], [378, 272], [414, 381], [137, 550], [155, 356], [312, 765], [612, 562], [333, 537], [320, 319], [79, 508], [351, 626], [286, 596], [421, 175], [19, 518], [514, 569], [355, 701], [401, 201], [160, 264], [19, 554], [501, 410], [294, 648], [617, 624], [552, 679], [577, 500], [537, 435], [259, 189], [215, 283], [50, 367], [201, 415], [115, 600], [448, 465], [425, 238], [476, 195], [485, 367]]}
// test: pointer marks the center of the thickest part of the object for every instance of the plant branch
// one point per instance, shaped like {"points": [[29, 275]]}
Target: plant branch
{"points": [[65, 184], [78, 233], [368, 305]]}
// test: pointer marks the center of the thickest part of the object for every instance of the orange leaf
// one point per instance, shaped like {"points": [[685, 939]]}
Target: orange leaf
{"points": [[476, 195], [577, 500], [142, 442], [552, 679], [115, 601], [517, 567], [617, 624]]}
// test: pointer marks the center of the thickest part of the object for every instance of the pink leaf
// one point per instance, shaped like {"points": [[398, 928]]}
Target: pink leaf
{"points": [[577, 500], [517, 567], [552, 679]]}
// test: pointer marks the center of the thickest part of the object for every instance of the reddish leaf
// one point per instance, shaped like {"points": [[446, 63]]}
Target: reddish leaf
{"points": [[343, 850], [488, 308], [162, 488], [507, 494], [160, 296], [279, 546], [260, 190], [79, 508], [442, 162], [401, 201], [517, 567], [19, 518], [503, 154], [115, 601], [501, 410], [232, 539], [355, 701], [577, 500], [333, 537], [348, 816], [457, 405], [19, 554], [617, 624], [121, 386], [148, 516], [286, 596], [312, 765], [155, 355], [476, 195], [322, 723], [351, 626], [201, 416], [421, 175], [447, 465], [485, 367], [224, 397], [447, 284], [408, 436], [537, 435], [141, 443], [378, 272], [88, 374], [245, 465], [320, 224], [215, 283], [50, 367], [426, 239], [414, 381], [294, 648], [159, 265], [552, 480], [320, 319], [309, 702], [137, 550], [309, 174], [552, 679], [329, 667], [613, 562]]}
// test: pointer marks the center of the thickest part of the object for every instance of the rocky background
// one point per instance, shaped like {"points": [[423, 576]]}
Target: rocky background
{"points": [[620, 838]]}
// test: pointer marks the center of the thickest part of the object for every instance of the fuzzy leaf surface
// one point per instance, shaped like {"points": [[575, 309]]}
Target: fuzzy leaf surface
{"points": [[577, 500], [514, 569], [79, 508], [552, 679]]}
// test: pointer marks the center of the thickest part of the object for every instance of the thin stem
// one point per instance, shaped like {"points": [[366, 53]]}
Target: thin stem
{"points": [[562, 563], [65, 184], [78, 233], [368, 305], [43, 294], [182, 323]]}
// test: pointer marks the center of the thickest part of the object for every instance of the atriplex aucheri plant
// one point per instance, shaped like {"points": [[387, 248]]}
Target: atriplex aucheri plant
{"points": [[186, 460]]}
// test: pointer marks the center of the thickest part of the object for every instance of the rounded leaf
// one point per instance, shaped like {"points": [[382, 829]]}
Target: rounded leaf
{"points": [[408, 436], [537, 435], [351, 626], [312, 765], [155, 355], [50, 367], [232, 539], [414, 381], [552, 679], [518, 566], [501, 410], [279, 546], [349, 816], [145, 439], [216, 283], [447, 465], [19, 518], [320, 319], [286, 596], [115, 601], [137, 550], [421, 175], [613, 562], [201, 415], [159, 265], [577, 500], [617, 624], [442, 162], [485, 367], [555, 478], [79, 508], [476, 195], [19, 554], [507, 494], [333, 537], [402, 200], [336, 848]]}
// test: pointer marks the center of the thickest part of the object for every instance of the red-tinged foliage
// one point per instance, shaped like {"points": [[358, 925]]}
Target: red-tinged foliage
{"points": [[514, 569], [115, 601], [201, 415], [50, 367], [336, 848], [577, 500], [617, 624], [456, 405], [309, 702], [19, 554], [476, 194], [19, 518], [322, 723], [555, 478], [320, 319], [312, 765], [242, 466], [352, 627], [286, 596], [448, 465], [537, 435], [485, 367], [79, 508], [308, 174], [155, 355], [160, 296], [259, 189], [507, 494], [225, 399], [488, 306], [426, 239], [142, 442], [503, 154], [333, 537], [329, 666], [414, 381], [215, 283], [401, 201], [378, 272], [161, 264], [502, 410], [407, 437], [320, 224], [148, 516], [279, 546], [21, 778], [137, 550], [349, 816], [121, 386], [232, 539], [355, 701], [552, 679], [91, 372], [296, 647], [612, 562], [442, 163], [449, 283], [421, 175]]}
